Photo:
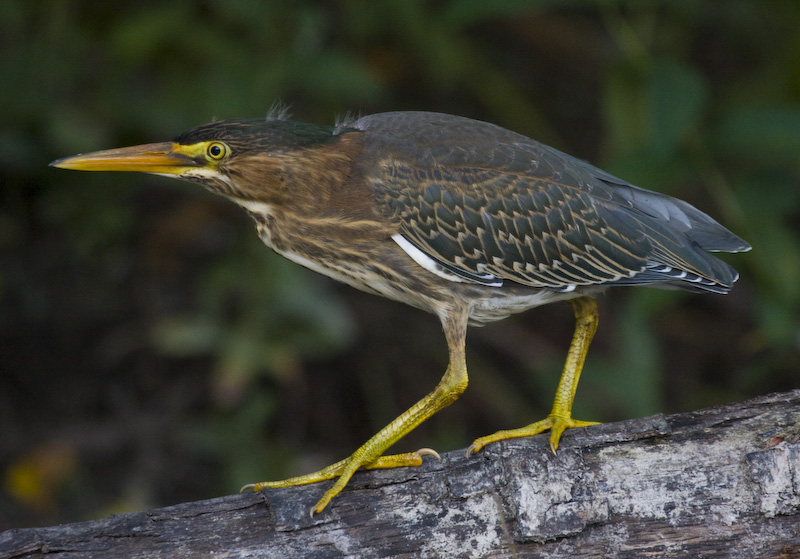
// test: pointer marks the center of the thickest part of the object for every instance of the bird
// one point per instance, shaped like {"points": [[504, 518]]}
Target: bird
{"points": [[458, 217]]}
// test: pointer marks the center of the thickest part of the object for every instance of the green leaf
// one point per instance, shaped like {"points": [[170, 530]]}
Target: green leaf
{"points": [[764, 134], [462, 13], [677, 98], [186, 336], [655, 109]]}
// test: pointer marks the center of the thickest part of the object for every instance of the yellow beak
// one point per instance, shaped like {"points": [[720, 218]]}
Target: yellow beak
{"points": [[165, 158]]}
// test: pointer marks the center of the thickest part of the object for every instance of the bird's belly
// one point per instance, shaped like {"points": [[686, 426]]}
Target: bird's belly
{"points": [[389, 272], [493, 304]]}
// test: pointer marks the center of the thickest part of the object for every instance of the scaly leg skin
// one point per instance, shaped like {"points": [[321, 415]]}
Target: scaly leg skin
{"points": [[369, 455], [560, 418]]}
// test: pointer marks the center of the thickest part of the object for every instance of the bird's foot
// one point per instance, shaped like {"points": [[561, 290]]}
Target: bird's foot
{"points": [[344, 469], [557, 424]]}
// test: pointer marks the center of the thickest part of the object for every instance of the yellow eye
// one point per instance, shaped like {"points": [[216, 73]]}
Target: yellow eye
{"points": [[217, 151]]}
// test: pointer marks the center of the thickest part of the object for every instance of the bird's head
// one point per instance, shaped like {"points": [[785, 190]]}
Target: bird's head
{"points": [[241, 159]]}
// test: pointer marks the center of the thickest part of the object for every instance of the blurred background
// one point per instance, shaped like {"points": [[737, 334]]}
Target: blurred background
{"points": [[152, 351]]}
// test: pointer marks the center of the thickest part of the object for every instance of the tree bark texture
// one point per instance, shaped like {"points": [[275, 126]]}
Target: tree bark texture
{"points": [[722, 482]]}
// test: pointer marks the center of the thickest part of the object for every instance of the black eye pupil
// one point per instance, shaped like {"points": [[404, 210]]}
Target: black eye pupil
{"points": [[215, 151]]}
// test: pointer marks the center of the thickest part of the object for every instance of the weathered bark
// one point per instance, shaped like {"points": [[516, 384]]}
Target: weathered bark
{"points": [[723, 482]]}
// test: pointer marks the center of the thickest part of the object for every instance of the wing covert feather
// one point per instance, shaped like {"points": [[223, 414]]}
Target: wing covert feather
{"points": [[526, 230]]}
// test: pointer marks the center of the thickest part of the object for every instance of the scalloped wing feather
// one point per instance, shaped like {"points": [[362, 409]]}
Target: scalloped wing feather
{"points": [[490, 205]]}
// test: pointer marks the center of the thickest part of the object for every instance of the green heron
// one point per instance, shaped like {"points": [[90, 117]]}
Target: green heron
{"points": [[457, 217]]}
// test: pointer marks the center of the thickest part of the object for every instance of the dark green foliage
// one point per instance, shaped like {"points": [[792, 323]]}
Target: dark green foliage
{"points": [[153, 351]]}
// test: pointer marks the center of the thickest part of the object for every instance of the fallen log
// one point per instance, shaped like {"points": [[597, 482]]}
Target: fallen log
{"points": [[721, 482]]}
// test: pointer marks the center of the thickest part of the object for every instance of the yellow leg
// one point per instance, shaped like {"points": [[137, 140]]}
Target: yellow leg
{"points": [[560, 418], [369, 455]]}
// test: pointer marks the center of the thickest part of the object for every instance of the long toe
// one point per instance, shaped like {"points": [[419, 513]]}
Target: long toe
{"points": [[555, 423], [527, 431]]}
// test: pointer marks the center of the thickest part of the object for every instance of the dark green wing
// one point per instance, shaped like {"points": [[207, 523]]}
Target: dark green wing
{"points": [[488, 205]]}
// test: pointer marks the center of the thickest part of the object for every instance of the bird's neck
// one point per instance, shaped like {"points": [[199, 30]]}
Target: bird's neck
{"points": [[314, 192]]}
